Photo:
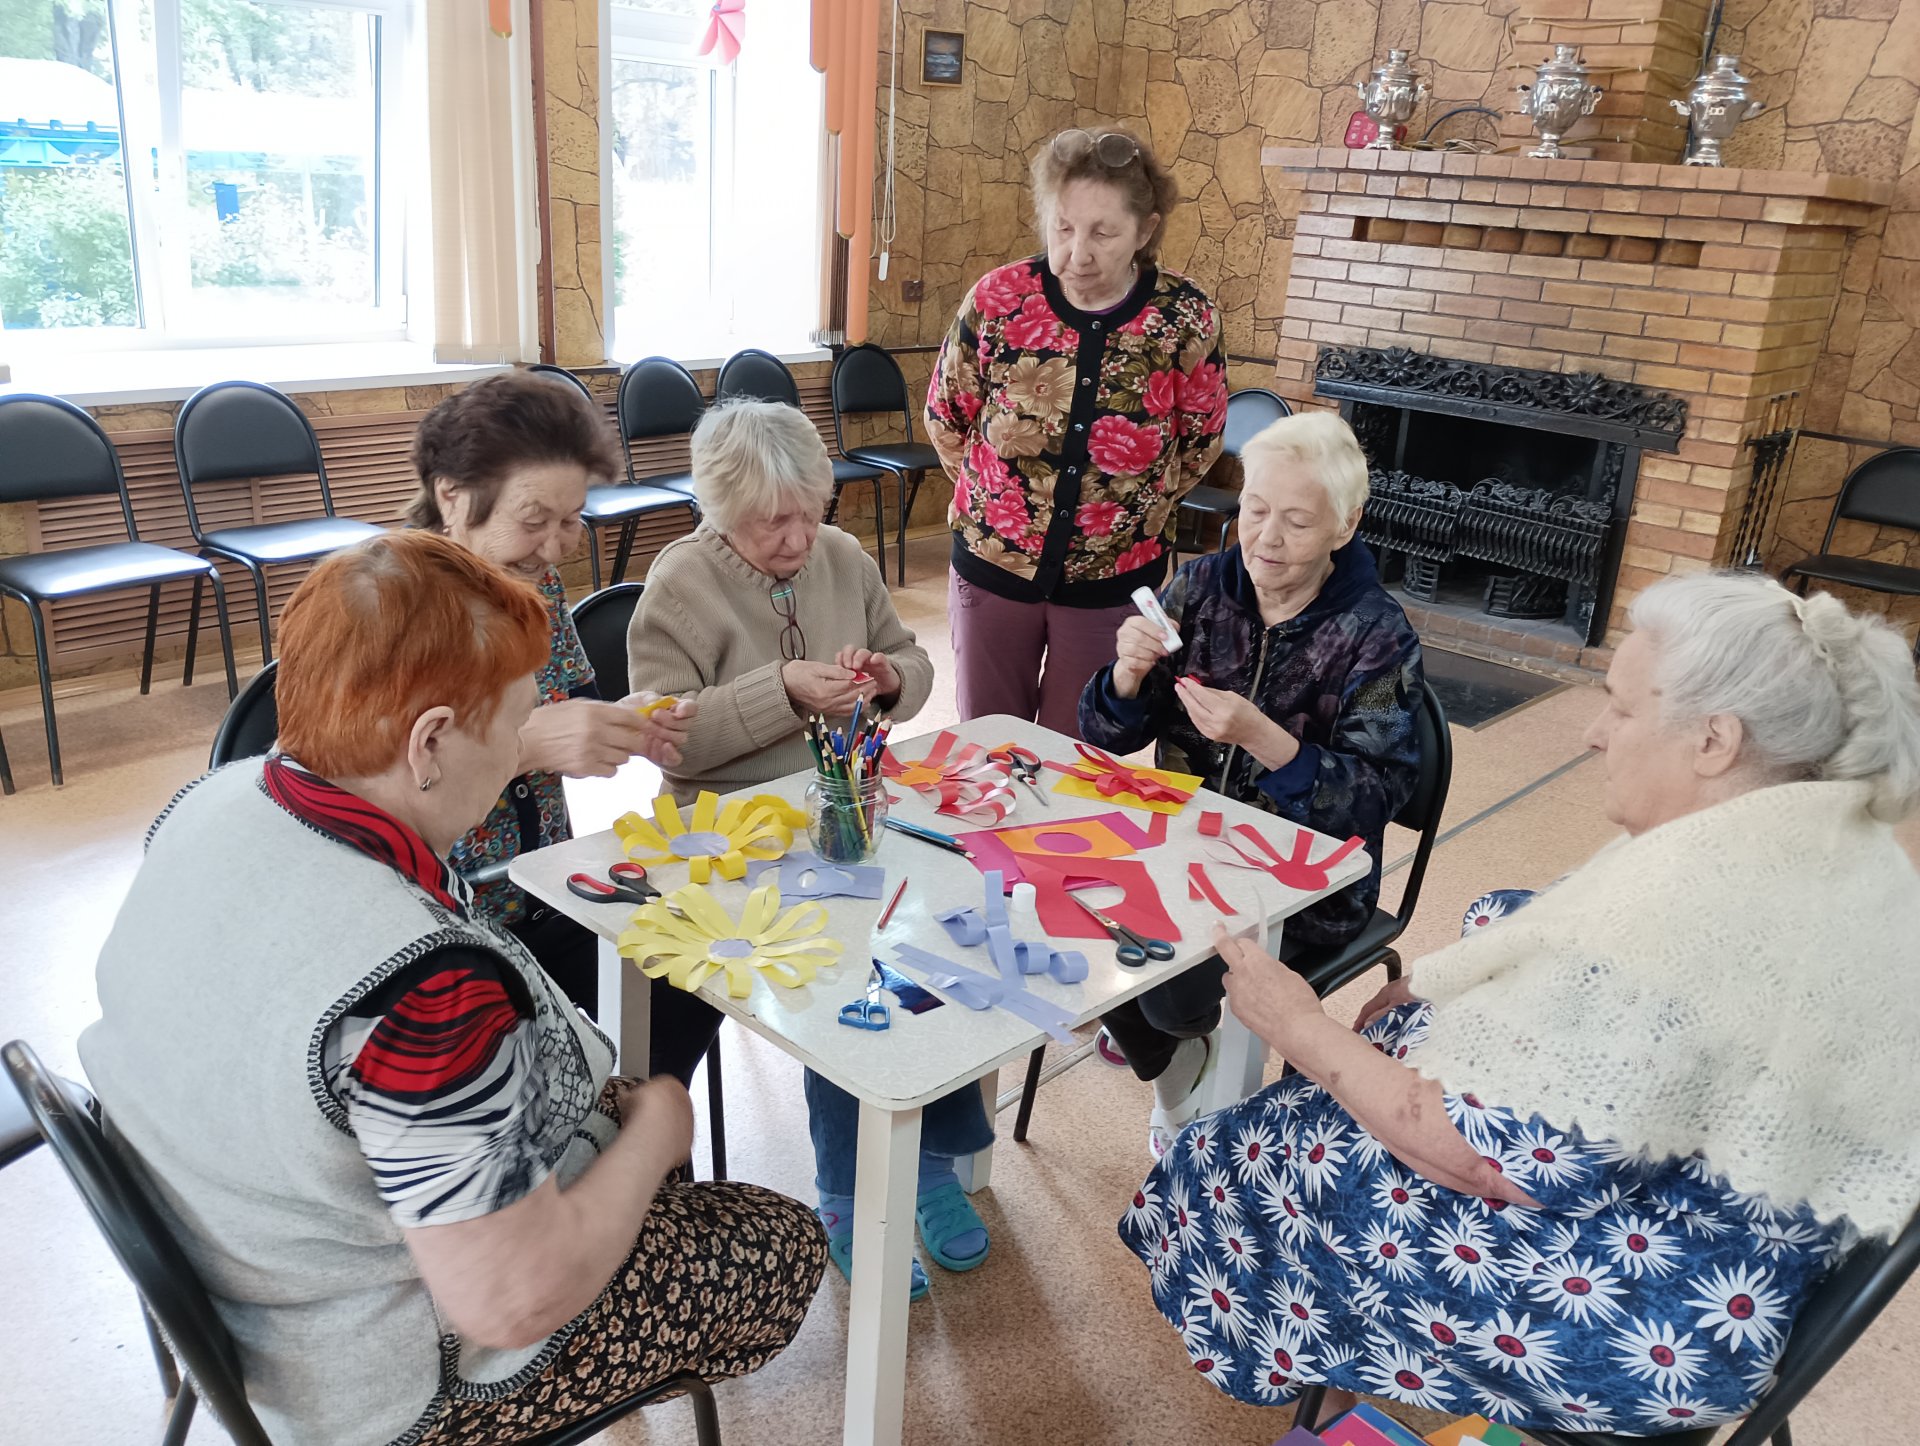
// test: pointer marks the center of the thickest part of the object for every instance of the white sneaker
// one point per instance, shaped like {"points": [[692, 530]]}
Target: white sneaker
{"points": [[1165, 1125]]}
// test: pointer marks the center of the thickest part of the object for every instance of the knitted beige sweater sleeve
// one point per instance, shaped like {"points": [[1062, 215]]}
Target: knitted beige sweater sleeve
{"points": [[705, 629]]}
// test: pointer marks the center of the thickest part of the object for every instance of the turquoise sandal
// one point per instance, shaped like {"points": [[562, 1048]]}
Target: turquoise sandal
{"points": [[840, 1250], [942, 1215]]}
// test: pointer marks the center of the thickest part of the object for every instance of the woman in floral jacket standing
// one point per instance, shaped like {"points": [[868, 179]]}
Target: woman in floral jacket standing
{"points": [[1079, 395]]}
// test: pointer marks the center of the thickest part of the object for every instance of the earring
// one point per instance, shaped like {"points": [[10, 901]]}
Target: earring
{"points": [[425, 784]]}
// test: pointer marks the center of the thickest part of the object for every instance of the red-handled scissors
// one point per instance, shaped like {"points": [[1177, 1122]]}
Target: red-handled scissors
{"points": [[625, 883], [1023, 764]]}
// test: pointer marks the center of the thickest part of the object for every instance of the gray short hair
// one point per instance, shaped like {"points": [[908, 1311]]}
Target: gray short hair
{"points": [[1322, 442], [756, 459], [1821, 692]]}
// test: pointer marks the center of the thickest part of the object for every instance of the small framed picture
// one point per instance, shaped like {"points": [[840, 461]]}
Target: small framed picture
{"points": [[942, 53]]}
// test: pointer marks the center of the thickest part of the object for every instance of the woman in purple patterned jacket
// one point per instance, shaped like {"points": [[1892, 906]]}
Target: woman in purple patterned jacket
{"points": [[1078, 397], [1295, 688]]}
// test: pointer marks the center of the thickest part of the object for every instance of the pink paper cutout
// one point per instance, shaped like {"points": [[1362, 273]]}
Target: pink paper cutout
{"points": [[1200, 890], [1298, 869], [726, 30], [1210, 821]]}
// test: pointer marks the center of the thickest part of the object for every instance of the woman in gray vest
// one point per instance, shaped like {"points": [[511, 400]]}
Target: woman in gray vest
{"points": [[388, 1143]]}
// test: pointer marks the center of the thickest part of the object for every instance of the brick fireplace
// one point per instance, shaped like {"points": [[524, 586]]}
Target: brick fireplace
{"points": [[1715, 287]]}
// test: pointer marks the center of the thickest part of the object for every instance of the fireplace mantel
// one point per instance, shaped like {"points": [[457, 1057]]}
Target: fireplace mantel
{"points": [[1717, 286]]}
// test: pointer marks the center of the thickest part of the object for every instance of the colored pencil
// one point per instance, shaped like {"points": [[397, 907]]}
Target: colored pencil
{"points": [[892, 904]]}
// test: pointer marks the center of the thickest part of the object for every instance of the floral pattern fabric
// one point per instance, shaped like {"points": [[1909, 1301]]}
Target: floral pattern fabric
{"points": [[532, 813], [1071, 436], [1289, 1247]]}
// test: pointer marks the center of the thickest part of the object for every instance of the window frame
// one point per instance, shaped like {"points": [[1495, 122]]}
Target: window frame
{"points": [[162, 271]]}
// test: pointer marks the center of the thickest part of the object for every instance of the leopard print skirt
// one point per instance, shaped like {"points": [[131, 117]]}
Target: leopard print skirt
{"points": [[718, 1283]]}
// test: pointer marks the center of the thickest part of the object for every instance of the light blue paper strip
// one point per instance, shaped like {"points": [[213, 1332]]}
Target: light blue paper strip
{"points": [[970, 928], [828, 881], [978, 991]]}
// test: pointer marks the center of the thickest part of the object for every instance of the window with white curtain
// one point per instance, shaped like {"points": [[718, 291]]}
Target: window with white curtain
{"points": [[714, 180], [203, 171]]}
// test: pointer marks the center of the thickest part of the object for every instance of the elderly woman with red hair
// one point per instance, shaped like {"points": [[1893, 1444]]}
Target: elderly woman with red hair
{"points": [[384, 1137]]}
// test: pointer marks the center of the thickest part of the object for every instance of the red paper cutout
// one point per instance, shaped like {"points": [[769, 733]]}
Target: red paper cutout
{"points": [[1141, 910], [1210, 822], [1200, 890], [1298, 870], [1111, 777]]}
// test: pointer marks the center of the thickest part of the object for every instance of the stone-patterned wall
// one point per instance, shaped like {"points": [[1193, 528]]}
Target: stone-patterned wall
{"points": [[571, 33]]}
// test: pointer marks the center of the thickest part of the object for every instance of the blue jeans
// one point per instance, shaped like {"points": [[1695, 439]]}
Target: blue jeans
{"points": [[952, 1125]]}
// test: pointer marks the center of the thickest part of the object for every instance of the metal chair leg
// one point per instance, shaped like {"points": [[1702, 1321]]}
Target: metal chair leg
{"points": [[6, 772], [593, 554], [46, 689], [624, 552], [907, 499], [260, 599], [193, 629], [706, 1416], [880, 524], [153, 622], [1784, 1435], [180, 1419], [1027, 1092], [1306, 1407], [162, 1357], [226, 632], [716, 1111], [1392, 960]]}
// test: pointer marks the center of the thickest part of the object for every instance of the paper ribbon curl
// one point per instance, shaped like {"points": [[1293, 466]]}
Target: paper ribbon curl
{"points": [[760, 827], [961, 779], [808, 876], [970, 928], [1100, 775], [726, 30], [688, 938]]}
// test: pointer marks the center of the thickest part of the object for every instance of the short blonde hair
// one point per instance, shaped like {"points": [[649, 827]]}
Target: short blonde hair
{"points": [[1322, 442], [755, 459]]}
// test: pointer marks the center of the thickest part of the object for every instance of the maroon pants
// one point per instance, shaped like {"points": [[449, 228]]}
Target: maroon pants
{"points": [[1032, 660]]}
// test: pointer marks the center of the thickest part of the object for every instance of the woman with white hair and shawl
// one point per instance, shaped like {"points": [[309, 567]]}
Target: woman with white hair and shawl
{"points": [[1296, 688], [1582, 1169], [765, 615]]}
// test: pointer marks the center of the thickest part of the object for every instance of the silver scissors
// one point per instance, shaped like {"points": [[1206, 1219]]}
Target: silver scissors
{"points": [[868, 1012], [1024, 765], [1133, 950]]}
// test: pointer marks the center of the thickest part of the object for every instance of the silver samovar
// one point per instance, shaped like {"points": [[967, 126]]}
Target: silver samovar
{"points": [[1389, 98], [1717, 103], [1558, 96]]}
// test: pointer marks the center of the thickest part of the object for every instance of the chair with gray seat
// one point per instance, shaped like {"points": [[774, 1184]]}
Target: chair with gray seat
{"points": [[615, 503], [51, 450], [1250, 411], [178, 1300], [867, 381], [237, 431], [1883, 490], [762, 376]]}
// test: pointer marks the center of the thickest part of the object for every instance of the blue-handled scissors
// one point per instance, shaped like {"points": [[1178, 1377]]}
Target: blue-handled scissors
{"points": [[625, 883], [869, 1012], [1133, 950]]}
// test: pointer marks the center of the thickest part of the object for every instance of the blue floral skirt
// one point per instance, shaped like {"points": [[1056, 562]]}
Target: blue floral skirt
{"points": [[1289, 1247]]}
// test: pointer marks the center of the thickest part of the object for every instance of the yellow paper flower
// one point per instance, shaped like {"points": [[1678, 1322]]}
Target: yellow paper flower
{"points": [[689, 938], [760, 827]]}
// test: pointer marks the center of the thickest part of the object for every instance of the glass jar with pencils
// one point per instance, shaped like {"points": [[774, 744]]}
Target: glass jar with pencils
{"points": [[845, 817]]}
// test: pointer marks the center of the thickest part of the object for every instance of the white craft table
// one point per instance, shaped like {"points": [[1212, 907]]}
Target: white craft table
{"points": [[922, 1057]]}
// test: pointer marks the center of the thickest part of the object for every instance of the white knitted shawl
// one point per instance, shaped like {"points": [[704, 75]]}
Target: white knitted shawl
{"points": [[1743, 982]]}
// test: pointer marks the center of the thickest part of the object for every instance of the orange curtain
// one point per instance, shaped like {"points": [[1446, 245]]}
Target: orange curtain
{"points": [[845, 47]]}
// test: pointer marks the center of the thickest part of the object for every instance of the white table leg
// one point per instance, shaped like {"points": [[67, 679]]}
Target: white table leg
{"points": [[626, 1010], [1243, 1054], [883, 1192], [976, 1171]]}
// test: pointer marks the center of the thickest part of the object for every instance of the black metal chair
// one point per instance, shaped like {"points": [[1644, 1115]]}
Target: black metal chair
{"points": [[251, 723], [867, 380], [1884, 490], [1837, 1315], [233, 431], [1250, 411], [601, 619], [51, 449], [1329, 968], [764, 377], [615, 503], [174, 1294]]}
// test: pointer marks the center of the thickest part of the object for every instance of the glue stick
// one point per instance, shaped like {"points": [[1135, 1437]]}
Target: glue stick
{"points": [[1151, 610]]}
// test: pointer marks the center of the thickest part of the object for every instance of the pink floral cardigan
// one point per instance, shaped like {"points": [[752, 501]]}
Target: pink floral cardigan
{"points": [[1071, 436]]}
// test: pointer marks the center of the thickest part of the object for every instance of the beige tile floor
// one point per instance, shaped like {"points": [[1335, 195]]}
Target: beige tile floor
{"points": [[1054, 1341]]}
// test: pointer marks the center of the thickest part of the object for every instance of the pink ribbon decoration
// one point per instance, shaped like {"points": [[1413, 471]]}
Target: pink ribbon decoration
{"points": [[725, 30], [962, 780], [1298, 869], [1112, 777]]}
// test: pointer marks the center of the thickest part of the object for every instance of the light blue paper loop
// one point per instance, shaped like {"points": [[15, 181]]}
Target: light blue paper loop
{"points": [[970, 928]]}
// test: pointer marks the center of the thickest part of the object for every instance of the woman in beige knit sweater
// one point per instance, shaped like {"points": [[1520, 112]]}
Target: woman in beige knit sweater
{"points": [[764, 615]]}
